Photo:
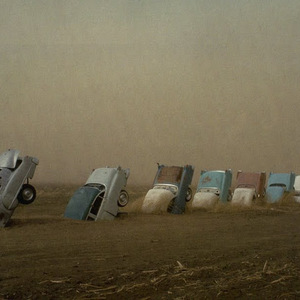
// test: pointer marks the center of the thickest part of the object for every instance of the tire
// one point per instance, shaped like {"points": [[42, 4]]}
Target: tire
{"points": [[229, 197], [189, 195], [123, 198], [27, 194]]}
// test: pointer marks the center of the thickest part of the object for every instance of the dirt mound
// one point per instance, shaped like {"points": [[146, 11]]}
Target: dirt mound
{"points": [[228, 251]]}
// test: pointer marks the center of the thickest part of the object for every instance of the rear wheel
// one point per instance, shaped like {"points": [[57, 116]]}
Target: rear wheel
{"points": [[229, 197], [123, 198], [189, 195], [27, 194]]}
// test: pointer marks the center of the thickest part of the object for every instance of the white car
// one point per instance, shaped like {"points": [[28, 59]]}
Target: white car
{"points": [[297, 189], [15, 172]]}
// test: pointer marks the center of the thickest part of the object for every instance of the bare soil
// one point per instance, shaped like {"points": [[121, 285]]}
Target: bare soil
{"points": [[228, 252]]}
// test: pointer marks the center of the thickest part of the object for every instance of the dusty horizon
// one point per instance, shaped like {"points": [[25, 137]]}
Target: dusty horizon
{"points": [[132, 83]]}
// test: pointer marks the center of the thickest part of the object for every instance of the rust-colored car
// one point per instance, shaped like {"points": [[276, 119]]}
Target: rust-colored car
{"points": [[249, 186], [171, 189]]}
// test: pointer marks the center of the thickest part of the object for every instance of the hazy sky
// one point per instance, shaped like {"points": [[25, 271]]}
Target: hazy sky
{"points": [[88, 84]]}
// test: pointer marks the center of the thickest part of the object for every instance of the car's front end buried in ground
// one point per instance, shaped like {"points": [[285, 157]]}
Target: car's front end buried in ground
{"points": [[243, 196], [101, 196], [205, 200], [157, 200]]}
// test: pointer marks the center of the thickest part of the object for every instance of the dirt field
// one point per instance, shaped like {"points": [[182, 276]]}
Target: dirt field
{"points": [[224, 253]]}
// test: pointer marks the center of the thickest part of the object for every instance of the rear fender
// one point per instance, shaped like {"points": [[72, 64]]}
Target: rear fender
{"points": [[5, 215], [180, 200], [16, 180]]}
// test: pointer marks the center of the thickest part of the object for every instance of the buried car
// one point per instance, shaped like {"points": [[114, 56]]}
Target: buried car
{"points": [[213, 186], [297, 189], [171, 190], [15, 172], [249, 186], [278, 185], [101, 196]]}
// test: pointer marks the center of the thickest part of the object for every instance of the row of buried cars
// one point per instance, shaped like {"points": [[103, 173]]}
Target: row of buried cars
{"points": [[171, 188], [105, 190]]}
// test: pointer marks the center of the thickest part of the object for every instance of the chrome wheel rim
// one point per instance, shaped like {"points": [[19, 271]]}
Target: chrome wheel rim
{"points": [[27, 194]]}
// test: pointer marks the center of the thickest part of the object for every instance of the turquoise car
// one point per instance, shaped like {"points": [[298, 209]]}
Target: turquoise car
{"points": [[171, 190], [213, 186], [278, 185], [101, 196]]}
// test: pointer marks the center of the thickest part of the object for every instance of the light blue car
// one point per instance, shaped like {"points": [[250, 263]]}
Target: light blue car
{"points": [[213, 186], [101, 196], [278, 185]]}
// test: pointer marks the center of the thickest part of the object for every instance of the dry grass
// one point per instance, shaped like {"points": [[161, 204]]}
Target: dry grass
{"points": [[187, 282]]}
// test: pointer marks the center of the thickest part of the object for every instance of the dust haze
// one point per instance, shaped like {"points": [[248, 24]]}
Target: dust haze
{"points": [[88, 84]]}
